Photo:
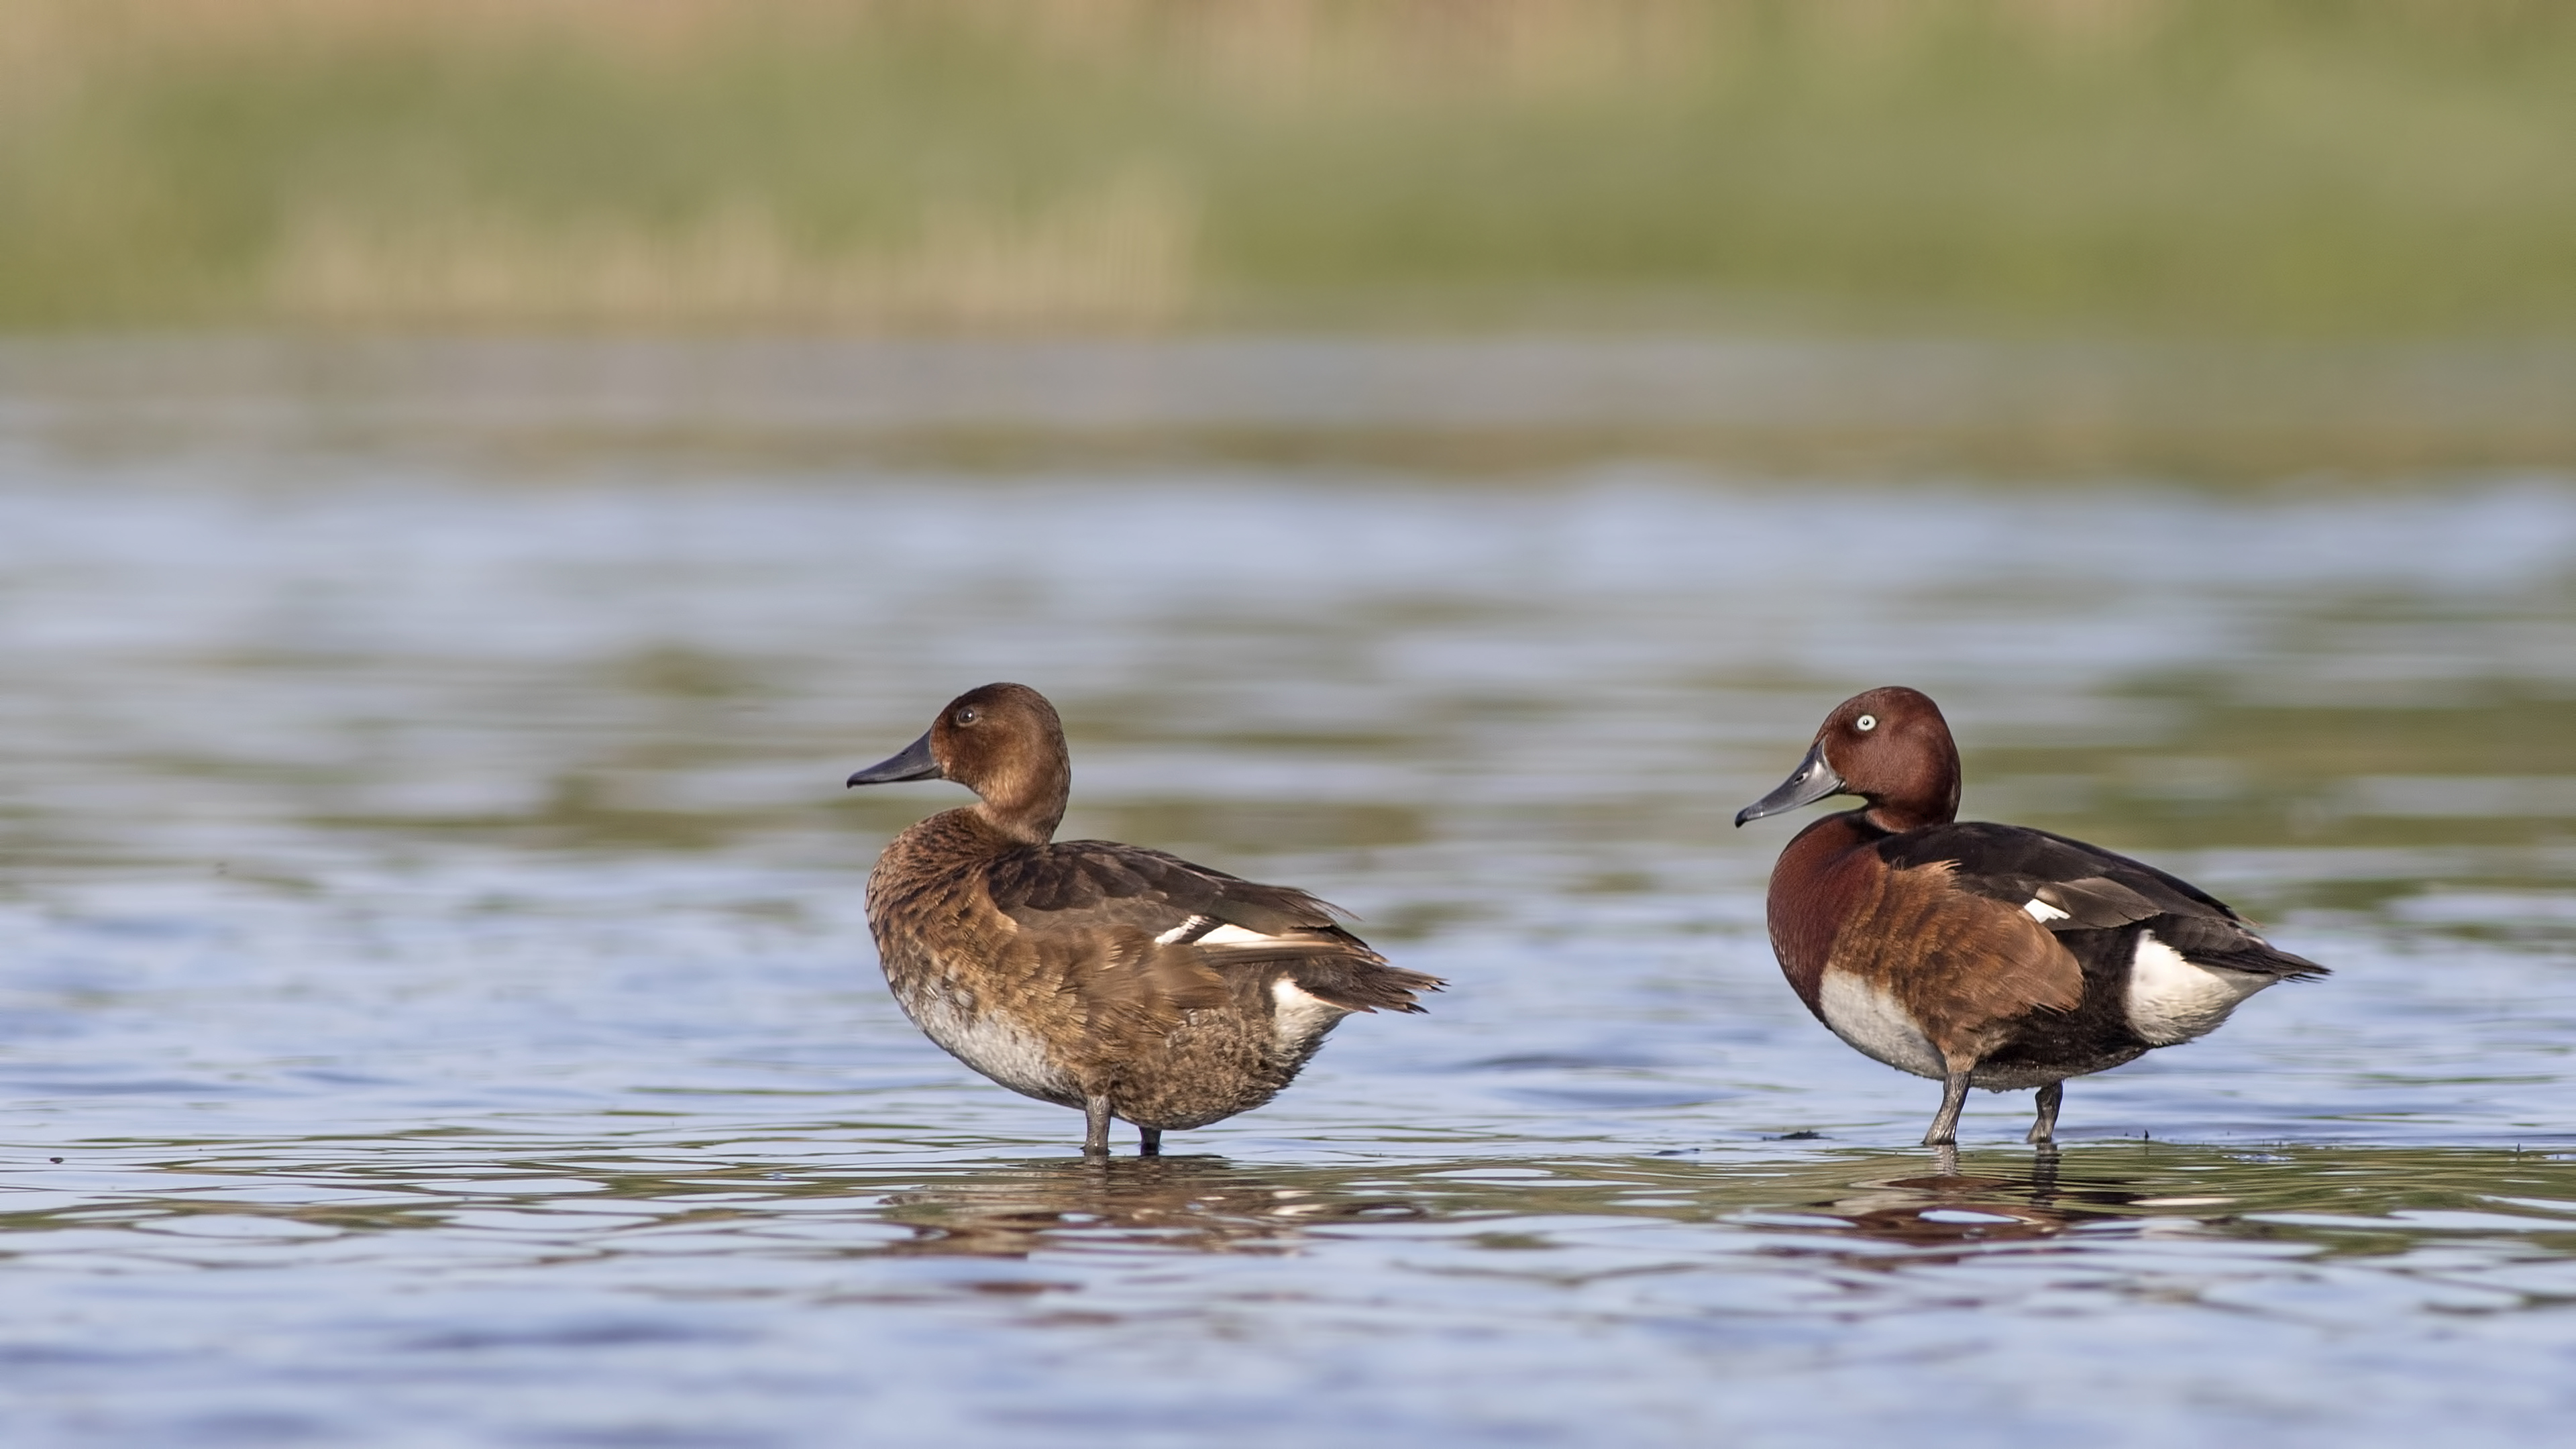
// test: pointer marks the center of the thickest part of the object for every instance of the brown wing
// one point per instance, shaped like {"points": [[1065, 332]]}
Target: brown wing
{"points": [[1140, 936], [2084, 889], [1963, 965], [1102, 880]]}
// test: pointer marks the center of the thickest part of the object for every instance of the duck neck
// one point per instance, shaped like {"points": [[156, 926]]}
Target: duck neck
{"points": [[1029, 805], [1895, 817]]}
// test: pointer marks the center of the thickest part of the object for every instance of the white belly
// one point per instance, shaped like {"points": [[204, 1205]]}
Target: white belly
{"points": [[1874, 1025], [992, 1045], [2173, 999]]}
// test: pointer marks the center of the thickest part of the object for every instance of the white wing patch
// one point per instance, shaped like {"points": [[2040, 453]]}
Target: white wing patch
{"points": [[1298, 1015], [1874, 1024], [2173, 998], [2042, 912], [1185, 931], [1233, 936]]}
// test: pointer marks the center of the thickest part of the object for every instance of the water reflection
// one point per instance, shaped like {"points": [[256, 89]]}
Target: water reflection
{"points": [[1196, 1204], [2350, 1199], [406, 1255], [1951, 1208]]}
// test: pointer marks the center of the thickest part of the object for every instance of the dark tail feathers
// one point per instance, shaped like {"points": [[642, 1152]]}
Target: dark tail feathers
{"points": [[2232, 947], [1357, 985]]}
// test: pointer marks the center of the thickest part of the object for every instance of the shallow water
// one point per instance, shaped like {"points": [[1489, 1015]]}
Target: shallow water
{"points": [[439, 1007]]}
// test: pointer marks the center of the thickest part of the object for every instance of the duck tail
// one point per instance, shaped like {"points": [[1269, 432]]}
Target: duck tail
{"points": [[1363, 984], [2231, 946], [2272, 961]]}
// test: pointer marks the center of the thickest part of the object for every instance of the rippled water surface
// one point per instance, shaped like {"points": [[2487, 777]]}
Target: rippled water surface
{"points": [[438, 1009]]}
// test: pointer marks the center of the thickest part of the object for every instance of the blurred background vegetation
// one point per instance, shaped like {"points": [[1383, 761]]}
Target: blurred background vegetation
{"points": [[2299, 169]]}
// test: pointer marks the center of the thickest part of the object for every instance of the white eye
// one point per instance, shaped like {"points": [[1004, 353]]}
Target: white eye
{"points": [[1865, 723]]}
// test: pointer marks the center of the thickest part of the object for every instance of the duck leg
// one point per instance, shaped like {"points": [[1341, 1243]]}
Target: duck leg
{"points": [[1945, 1123], [1149, 1141], [2043, 1129], [1095, 1126]]}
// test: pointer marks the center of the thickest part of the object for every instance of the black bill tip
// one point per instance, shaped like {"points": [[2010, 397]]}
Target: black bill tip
{"points": [[1812, 781], [915, 763]]}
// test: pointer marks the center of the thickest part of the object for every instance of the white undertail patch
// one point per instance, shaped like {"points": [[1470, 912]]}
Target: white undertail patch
{"points": [[1298, 1016], [1876, 1025], [2042, 912], [2173, 998]]}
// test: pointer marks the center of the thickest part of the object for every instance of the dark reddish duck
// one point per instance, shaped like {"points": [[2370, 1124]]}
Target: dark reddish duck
{"points": [[1981, 955], [1118, 980]]}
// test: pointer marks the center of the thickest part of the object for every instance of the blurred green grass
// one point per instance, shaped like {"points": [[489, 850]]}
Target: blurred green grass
{"points": [[2301, 168]]}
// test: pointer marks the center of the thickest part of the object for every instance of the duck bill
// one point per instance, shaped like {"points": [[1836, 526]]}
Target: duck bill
{"points": [[1813, 781], [915, 763]]}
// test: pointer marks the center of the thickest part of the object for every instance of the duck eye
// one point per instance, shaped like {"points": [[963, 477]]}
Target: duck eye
{"points": [[966, 716], [1865, 723]]}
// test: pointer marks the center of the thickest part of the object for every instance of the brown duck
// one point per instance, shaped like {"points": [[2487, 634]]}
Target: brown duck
{"points": [[1118, 980], [1979, 955]]}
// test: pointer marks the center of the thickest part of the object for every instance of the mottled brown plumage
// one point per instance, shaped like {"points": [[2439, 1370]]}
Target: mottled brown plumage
{"points": [[1985, 955], [1118, 980]]}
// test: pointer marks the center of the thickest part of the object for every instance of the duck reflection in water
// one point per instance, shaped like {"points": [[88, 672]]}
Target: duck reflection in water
{"points": [[1951, 1208], [1195, 1204]]}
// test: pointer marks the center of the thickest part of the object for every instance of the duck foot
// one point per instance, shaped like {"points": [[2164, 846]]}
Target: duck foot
{"points": [[2043, 1129], [1095, 1127], [1945, 1123], [1149, 1142]]}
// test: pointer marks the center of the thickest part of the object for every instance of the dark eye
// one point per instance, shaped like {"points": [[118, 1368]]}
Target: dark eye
{"points": [[966, 716]]}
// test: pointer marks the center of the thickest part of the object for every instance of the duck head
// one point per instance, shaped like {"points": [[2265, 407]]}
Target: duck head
{"points": [[1003, 742], [1891, 748]]}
